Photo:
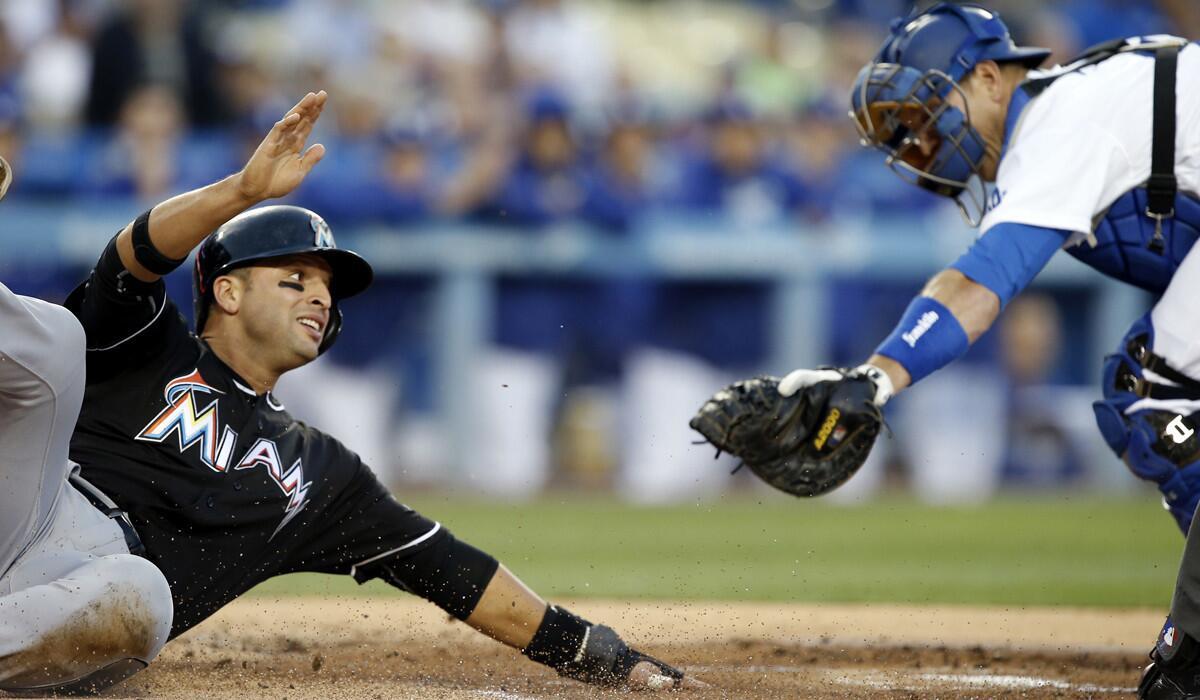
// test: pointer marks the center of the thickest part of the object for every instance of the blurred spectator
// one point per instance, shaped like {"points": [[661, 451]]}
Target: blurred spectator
{"points": [[10, 63], [621, 183], [546, 180], [1030, 338], [155, 41], [1040, 447], [407, 177], [54, 82], [564, 43], [819, 141], [450, 30], [733, 173], [10, 136], [1100, 20], [775, 78], [350, 47], [142, 159], [390, 180]]}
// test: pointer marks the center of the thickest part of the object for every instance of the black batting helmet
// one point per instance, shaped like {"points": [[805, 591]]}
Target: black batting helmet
{"points": [[272, 232]]}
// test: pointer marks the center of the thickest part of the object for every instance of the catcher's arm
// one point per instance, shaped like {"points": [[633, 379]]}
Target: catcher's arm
{"points": [[966, 298], [809, 432], [973, 306], [176, 226], [510, 612], [950, 314]]}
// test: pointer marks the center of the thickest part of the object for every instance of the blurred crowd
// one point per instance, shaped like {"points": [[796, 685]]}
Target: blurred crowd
{"points": [[521, 112], [525, 115]]}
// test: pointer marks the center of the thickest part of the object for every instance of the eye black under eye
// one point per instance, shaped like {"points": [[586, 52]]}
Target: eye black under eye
{"points": [[291, 285]]}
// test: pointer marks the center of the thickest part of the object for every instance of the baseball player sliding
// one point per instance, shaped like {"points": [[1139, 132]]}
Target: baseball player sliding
{"points": [[193, 483], [1099, 158]]}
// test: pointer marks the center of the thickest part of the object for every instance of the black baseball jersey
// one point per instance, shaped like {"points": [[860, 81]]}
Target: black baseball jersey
{"points": [[225, 488]]}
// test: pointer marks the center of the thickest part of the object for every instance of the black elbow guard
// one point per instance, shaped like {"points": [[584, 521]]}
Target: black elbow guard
{"points": [[144, 251], [449, 573]]}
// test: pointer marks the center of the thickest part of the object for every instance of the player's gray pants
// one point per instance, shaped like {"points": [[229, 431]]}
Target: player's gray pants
{"points": [[76, 609]]}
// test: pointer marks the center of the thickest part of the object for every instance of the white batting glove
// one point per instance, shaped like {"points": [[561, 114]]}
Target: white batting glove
{"points": [[800, 378]]}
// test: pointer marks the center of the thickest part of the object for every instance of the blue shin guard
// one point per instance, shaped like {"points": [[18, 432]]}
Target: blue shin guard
{"points": [[1157, 445]]}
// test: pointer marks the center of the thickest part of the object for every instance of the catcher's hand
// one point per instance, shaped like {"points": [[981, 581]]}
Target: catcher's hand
{"points": [[805, 434]]}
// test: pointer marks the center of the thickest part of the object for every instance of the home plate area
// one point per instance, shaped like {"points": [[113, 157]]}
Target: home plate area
{"points": [[299, 648]]}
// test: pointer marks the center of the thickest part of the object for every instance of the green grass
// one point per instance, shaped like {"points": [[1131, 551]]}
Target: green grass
{"points": [[1049, 550]]}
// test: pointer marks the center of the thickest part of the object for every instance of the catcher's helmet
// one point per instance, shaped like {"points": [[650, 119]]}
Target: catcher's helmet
{"points": [[272, 232], [899, 97]]}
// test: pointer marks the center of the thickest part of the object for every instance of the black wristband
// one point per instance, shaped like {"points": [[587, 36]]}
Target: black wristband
{"points": [[590, 653], [144, 251], [559, 638]]}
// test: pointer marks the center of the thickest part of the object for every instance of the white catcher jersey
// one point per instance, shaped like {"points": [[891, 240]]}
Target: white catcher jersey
{"points": [[1085, 141]]}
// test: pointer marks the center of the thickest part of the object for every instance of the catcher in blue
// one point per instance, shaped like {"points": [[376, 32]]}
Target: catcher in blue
{"points": [[150, 476], [1099, 158]]}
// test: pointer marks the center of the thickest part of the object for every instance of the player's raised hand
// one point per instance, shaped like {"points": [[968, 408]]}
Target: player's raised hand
{"points": [[281, 161]]}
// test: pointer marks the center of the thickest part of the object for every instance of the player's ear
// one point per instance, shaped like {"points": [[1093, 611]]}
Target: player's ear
{"points": [[228, 292], [989, 77]]}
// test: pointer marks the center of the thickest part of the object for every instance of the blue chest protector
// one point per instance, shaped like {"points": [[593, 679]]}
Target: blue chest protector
{"points": [[1126, 248], [1123, 238]]}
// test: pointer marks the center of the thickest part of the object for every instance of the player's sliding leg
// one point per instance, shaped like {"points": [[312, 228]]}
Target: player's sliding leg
{"points": [[87, 627], [76, 609], [41, 389]]}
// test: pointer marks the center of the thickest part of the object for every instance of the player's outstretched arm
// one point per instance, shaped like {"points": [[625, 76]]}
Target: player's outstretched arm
{"points": [[972, 306], [808, 433], [176, 226], [510, 612]]}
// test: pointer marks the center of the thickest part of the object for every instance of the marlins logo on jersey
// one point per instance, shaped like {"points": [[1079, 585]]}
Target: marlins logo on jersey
{"points": [[196, 426]]}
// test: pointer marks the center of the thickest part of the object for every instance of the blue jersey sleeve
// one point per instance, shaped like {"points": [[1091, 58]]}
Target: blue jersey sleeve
{"points": [[1008, 256]]}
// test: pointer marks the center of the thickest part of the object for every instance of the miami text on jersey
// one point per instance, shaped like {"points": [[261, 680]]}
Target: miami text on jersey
{"points": [[195, 426]]}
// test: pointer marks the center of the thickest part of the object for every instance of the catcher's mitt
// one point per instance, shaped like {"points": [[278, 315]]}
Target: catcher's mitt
{"points": [[806, 444]]}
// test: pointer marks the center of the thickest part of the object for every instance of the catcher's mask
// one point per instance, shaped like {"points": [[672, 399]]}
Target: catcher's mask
{"points": [[898, 103], [273, 232]]}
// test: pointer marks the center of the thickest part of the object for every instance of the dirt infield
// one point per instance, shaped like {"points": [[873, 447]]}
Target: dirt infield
{"points": [[301, 648]]}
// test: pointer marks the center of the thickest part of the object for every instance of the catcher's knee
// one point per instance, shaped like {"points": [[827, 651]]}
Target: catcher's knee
{"points": [[118, 624], [1157, 445]]}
